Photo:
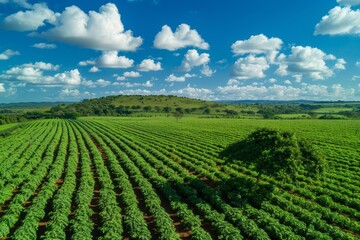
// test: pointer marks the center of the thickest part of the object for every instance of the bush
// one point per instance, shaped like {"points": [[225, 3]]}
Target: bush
{"points": [[276, 153]]}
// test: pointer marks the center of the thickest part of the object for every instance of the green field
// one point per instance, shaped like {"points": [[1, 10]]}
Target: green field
{"points": [[330, 110], [158, 178], [7, 126]]}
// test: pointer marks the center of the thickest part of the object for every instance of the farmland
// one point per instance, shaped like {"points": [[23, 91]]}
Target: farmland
{"points": [[158, 178]]}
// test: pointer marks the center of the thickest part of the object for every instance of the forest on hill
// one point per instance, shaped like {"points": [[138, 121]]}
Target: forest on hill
{"points": [[167, 105]]}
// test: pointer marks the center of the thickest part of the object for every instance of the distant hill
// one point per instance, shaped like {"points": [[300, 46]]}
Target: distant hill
{"points": [[31, 105], [267, 101], [156, 100], [127, 104]]}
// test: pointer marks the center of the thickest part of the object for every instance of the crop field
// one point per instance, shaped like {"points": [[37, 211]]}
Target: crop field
{"points": [[158, 178]]}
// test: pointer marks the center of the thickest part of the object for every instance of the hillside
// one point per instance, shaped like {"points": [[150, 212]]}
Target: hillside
{"points": [[158, 100], [121, 104]]}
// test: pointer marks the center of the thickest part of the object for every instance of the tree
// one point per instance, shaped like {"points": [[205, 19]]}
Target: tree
{"points": [[167, 109], [178, 115], [276, 153], [147, 108]]}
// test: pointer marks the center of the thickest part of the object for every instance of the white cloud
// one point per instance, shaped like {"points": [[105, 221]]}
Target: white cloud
{"points": [[102, 83], [181, 38], [2, 88], [8, 54], [130, 85], [357, 63], [272, 80], [232, 82], [250, 67], [200, 93], [147, 65], [298, 78], [173, 78], [42, 66], [339, 21], [44, 45], [188, 75], [132, 74], [92, 84], [29, 74], [348, 2], [87, 62], [21, 3], [207, 71], [281, 92], [71, 77], [288, 82], [69, 93], [29, 20], [307, 62], [33, 73], [110, 59], [94, 69], [194, 59], [259, 44], [138, 92], [355, 78], [121, 78], [340, 64], [101, 30]]}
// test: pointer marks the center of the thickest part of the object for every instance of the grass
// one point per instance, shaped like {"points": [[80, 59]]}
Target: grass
{"points": [[332, 110], [7, 126]]}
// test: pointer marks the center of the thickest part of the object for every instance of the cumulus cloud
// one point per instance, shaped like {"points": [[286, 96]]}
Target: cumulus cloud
{"points": [[307, 62], [272, 80], [69, 93], [34, 73], [250, 67], [200, 93], [339, 21], [340, 64], [207, 71], [282, 92], [348, 2], [102, 83], [42, 66], [147, 65], [130, 85], [94, 69], [87, 62], [183, 37], [132, 74], [109, 59], [2, 88], [193, 59], [21, 3], [44, 45], [72, 77], [29, 20], [121, 78], [8, 54], [258, 44], [101, 30], [173, 78]]}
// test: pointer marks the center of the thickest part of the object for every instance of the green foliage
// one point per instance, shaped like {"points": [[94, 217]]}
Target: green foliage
{"points": [[178, 115], [276, 153]]}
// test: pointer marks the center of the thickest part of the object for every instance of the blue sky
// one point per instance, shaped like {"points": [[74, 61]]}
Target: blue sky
{"points": [[216, 50]]}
